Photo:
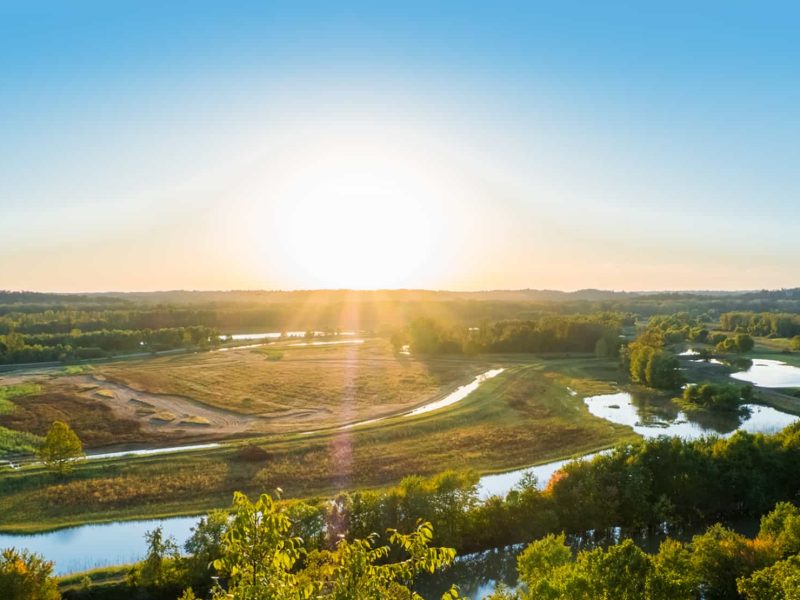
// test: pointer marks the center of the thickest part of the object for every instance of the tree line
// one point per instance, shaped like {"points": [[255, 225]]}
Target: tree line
{"points": [[592, 333], [28, 312], [718, 564], [17, 347], [764, 324]]}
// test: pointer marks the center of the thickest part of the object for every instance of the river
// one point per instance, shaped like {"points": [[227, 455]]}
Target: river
{"points": [[90, 546]]}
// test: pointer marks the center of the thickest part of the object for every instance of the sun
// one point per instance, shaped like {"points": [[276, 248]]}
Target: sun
{"points": [[358, 222]]}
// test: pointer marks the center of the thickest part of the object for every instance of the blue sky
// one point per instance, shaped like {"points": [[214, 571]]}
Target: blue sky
{"points": [[150, 145]]}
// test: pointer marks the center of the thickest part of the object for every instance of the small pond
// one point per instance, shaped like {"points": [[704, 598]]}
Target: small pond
{"points": [[770, 374], [652, 418]]}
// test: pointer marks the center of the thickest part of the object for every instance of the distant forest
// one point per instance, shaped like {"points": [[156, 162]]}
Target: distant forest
{"points": [[38, 327]]}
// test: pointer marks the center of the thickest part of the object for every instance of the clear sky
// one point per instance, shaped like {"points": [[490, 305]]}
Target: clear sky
{"points": [[461, 145]]}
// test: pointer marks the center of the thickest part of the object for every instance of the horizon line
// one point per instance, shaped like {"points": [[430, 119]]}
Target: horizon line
{"points": [[396, 290]]}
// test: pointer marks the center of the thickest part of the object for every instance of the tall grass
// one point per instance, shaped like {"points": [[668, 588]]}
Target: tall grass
{"points": [[17, 442], [9, 392]]}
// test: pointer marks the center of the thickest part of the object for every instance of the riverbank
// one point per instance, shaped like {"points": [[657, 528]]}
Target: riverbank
{"points": [[530, 414], [523, 416]]}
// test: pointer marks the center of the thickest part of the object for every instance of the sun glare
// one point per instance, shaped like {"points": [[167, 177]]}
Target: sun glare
{"points": [[357, 222]]}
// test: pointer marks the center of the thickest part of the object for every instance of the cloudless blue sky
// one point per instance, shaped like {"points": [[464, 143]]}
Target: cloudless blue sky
{"points": [[603, 144]]}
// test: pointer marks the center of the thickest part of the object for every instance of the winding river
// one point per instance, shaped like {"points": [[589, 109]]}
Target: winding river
{"points": [[89, 546]]}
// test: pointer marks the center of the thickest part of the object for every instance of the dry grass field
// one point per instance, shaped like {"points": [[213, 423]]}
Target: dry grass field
{"points": [[309, 387], [279, 388]]}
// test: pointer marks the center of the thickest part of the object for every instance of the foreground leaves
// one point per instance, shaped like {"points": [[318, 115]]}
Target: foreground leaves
{"points": [[262, 561]]}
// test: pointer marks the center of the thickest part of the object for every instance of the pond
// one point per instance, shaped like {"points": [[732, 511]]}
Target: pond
{"points": [[770, 374], [501, 483], [651, 418], [476, 575]]}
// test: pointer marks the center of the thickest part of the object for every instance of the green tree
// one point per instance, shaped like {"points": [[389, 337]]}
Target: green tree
{"points": [[674, 577], [61, 448], [160, 567], [744, 343], [781, 528], [621, 572], [720, 556], [260, 558], [602, 348], [716, 396], [359, 570], [662, 371], [203, 547], [258, 554], [540, 561], [25, 576], [13, 341], [651, 365], [780, 581]]}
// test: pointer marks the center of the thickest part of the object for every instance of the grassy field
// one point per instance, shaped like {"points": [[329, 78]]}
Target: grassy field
{"points": [[241, 393], [14, 441], [775, 349], [298, 387], [524, 416]]}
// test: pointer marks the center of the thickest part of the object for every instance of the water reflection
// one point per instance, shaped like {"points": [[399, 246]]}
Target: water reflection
{"points": [[90, 546], [770, 374], [476, 575], [649, 417], [456, 396], [502, 483]]}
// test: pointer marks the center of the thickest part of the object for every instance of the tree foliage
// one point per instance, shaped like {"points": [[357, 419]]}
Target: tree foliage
{"points": [[763, 324], [739, 343], [61, 448], [652, 366], [26, 576], [262, 560], [159, 569], [718, 564], [716, 396], [586, 333]]}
